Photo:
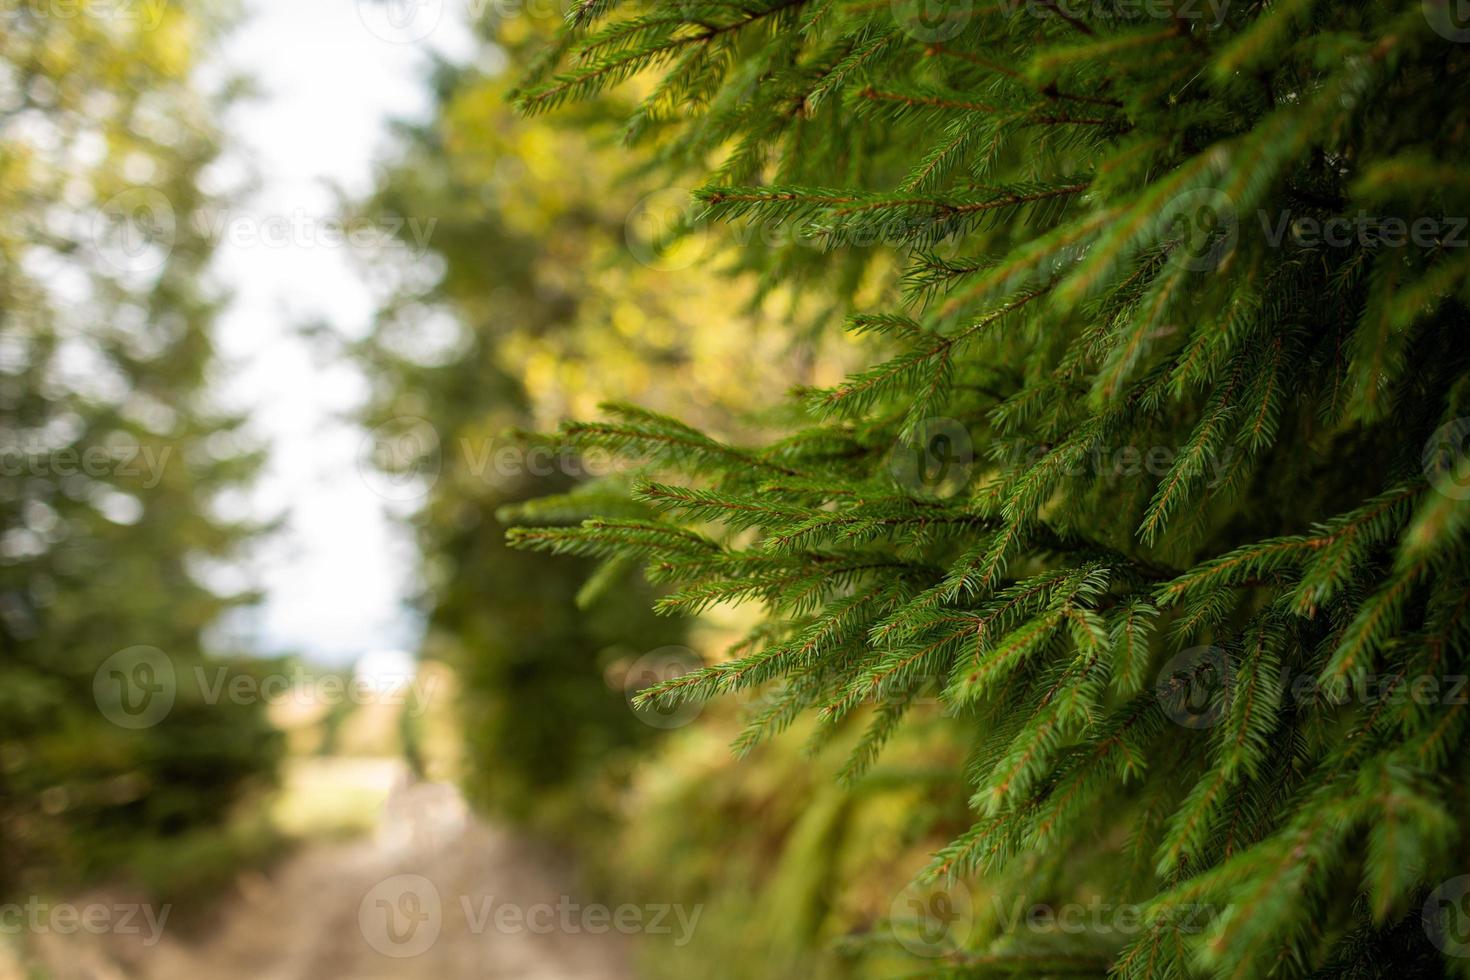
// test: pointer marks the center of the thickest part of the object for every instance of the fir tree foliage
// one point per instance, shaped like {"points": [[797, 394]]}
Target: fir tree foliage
{"points": [[1190, 281]]}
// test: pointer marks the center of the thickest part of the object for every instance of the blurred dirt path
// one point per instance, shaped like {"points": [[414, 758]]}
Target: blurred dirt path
{"points": [[432, 894]]}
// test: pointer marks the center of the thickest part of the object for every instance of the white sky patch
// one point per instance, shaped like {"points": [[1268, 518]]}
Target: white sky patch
{"points": [[338, 575], [386, 670]]}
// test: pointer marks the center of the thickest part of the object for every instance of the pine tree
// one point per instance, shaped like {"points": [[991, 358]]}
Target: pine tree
{"points": [[1158, 477]]}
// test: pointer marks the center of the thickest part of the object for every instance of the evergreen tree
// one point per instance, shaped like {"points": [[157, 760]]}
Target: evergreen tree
{"points": [[111, 457], [1158, 480]]}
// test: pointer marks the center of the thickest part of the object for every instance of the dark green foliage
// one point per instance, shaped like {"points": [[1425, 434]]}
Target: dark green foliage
{"points": [[1199, 437], [542, 664]]}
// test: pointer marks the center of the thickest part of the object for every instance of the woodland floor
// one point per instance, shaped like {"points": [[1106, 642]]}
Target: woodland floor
{"points": [[312, 914]]}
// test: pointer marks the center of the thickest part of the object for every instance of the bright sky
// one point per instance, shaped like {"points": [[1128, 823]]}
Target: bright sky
{"points": [[330, 75]]}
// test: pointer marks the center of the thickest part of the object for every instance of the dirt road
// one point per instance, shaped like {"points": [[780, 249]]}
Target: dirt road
{"points": [[432, 893]]}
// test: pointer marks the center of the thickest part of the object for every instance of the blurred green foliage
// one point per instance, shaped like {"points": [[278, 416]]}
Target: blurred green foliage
{"points": [[540, 667], [112, 453], [543, 293]]}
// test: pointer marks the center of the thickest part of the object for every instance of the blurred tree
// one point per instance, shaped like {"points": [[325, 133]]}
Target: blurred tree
{"points": [[555, 280], [545, 288], [111, 455], [540, 698]]}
